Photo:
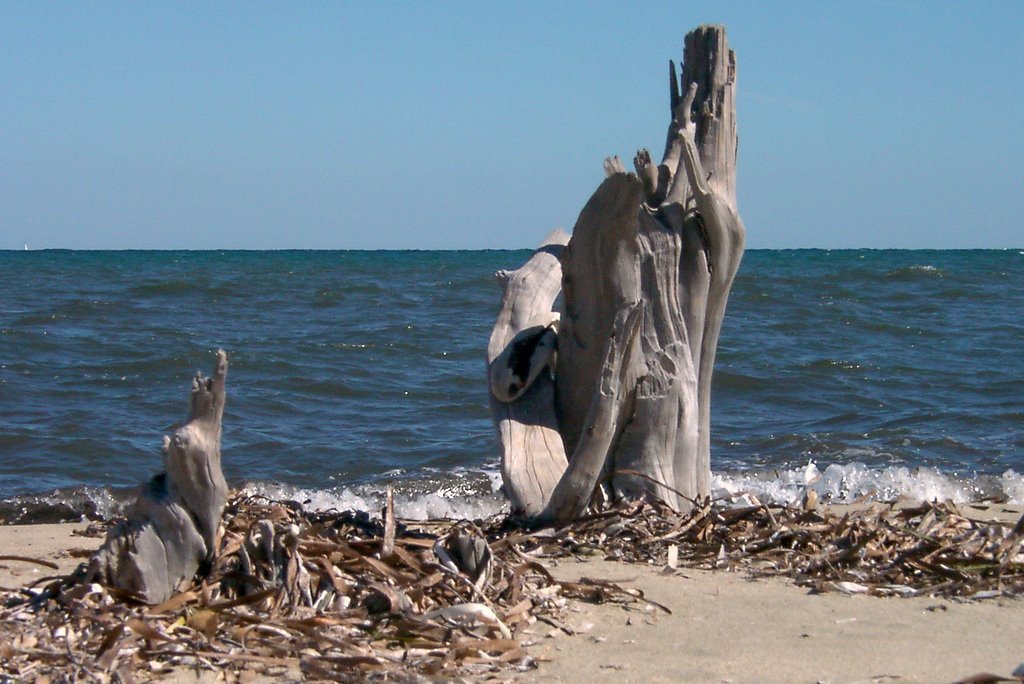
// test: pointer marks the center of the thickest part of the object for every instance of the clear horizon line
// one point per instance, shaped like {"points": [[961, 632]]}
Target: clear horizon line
{"points": [[478, 249]]}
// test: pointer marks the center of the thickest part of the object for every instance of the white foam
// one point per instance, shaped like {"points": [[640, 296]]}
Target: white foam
{"points": [[477, 494], [456, 499], [448, 500], [107, 506], [1012, 484], [856, 481]]}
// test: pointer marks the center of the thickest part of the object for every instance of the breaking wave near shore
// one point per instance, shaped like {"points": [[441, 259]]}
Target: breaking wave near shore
{"points": [[478, 495]]}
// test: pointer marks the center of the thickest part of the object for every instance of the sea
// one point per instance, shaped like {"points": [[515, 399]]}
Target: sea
{"points": [[861, 374]]}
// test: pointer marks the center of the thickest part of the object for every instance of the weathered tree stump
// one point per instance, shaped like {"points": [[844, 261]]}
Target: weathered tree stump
{"points": [[170, 532], [645, 280]]}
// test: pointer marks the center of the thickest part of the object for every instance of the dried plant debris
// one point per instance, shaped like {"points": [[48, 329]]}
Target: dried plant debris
{"points": [[880, 549], [332, 596], [343, 596]]}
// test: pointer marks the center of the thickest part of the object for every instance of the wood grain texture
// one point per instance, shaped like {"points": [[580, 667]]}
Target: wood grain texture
{"points": [[170, 532], [522, 389], [645, 281]]}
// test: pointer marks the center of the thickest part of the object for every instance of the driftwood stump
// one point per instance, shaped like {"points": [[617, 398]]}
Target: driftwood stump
{"points": [[170, 532], [644, 283]]}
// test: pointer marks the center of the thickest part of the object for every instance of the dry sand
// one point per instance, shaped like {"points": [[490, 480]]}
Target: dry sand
{"points": [[56, 544], [723, 627], [727, 627]]}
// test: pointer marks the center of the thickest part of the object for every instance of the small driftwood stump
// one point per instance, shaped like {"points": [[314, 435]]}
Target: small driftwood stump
{"points": [[170, 532], [644, 283]]}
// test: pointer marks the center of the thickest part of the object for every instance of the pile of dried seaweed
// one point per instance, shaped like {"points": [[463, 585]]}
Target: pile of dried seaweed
{"points": [[332, 596], [342, 596], [882, 549]]}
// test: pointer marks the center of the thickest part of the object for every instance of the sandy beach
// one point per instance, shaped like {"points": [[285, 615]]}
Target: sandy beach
{"points": [[724, 626], [53, 544]]}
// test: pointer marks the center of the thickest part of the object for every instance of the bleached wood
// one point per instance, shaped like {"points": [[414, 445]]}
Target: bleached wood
{"points": [[726, 236], [663, 430], [645, 280], [522, 390], [709, 66], [170, 532], [608, 404], [599, 279]]}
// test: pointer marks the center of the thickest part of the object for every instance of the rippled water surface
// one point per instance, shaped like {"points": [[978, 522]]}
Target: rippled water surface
{"points": [[352, 368]]}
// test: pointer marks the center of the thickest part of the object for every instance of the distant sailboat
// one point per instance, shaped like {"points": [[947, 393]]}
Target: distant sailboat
{"points": [[26, 246]]}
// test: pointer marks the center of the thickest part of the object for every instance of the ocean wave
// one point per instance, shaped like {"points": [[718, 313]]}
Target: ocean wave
{"points": [[175, 288], [447, 501], [65, 505], [915, 272], [473, 495], [1012, 484], [854, 482]]}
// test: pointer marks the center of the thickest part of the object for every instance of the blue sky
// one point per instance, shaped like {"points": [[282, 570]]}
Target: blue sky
{"points": [[484, 124]]}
